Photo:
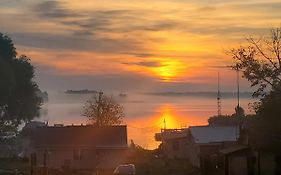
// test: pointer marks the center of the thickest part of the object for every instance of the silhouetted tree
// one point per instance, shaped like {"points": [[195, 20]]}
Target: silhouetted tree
{"points": [[228, 120], [19, 101], [103, 110], [260, 63]]}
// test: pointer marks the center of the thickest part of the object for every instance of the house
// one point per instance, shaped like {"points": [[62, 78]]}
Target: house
{"points": [[84, 147], [197, 143], [206, 141], [239, 160], [174, 142]]}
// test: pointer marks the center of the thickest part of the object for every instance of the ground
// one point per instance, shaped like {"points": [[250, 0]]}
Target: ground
{"points": [[148, 162]]}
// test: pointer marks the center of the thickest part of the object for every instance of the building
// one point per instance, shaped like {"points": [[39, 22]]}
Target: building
{"points": [[206, 141], [197, 143], [174, 142], [84, 147], [239, 160]]}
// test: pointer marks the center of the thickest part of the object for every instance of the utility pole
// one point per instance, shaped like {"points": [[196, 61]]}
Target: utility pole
{"points": [[99, 106], [219, 96], [164, 123]]}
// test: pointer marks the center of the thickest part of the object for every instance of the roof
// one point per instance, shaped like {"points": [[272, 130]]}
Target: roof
{"points": [[211, 134], [234, 149], [171, 134], [106, 136]]}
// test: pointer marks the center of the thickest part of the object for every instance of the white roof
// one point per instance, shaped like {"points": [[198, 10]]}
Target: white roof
{"points": [[208, 134]]}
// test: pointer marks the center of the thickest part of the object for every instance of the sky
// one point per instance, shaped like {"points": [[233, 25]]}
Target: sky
{"points": [[135, 45]]}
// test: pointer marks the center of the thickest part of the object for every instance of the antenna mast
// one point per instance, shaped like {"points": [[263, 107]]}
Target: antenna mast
{"points": [[238, 89], [164, 122], [219, 96]]}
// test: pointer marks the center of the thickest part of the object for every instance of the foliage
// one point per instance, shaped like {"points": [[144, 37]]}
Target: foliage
{"points": [[103, 110], [228, 120], [266, 134], [18, 99], [224, 120], [260, 62], [148, 162]]}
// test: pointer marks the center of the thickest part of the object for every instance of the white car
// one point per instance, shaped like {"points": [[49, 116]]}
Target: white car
{"points": [[128, 169]]}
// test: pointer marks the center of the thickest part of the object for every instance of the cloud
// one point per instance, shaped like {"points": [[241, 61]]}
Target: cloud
{"points": [[207, 8], [53, 9], [66, 42], [146, 63]]}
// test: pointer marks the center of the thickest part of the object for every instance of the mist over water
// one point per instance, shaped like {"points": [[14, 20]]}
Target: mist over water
{"points": [[145, 112]]}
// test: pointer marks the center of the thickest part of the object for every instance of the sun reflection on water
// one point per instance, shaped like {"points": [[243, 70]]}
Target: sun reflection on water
{"points": [[143, 129]]}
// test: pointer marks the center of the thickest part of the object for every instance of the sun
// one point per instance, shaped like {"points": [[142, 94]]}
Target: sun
{"points": [[169, 69]]}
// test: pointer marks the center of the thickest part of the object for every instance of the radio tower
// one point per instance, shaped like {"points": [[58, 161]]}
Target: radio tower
{"points": [[238, 89], [219, 96]]}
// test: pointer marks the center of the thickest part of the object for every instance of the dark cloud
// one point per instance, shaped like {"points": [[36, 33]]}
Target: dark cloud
{"points": [[146, 63], [66, 42], [207, 8], [53, 9], [266, 7], [9, 3], [140, 55], [91, 22]]}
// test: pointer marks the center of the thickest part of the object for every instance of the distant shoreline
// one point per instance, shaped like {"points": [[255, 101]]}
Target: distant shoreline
{"points": [[201, 94], [83, 91]]}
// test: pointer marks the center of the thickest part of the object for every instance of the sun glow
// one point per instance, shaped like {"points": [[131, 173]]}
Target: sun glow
{"points": [[169, 69], [165, 69], [169, 118]]}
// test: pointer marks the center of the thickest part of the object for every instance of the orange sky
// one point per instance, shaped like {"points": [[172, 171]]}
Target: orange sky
{"points": [[172, 41]]}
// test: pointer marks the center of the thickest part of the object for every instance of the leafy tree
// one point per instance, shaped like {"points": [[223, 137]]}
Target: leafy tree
{"points": [[19, 101], [103, 110], [229, 120], [267, 132], [260, 62]]}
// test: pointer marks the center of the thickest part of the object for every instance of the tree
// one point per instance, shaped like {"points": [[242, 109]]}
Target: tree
{"points": [[103, 110], [260, 62], [19, 101]]}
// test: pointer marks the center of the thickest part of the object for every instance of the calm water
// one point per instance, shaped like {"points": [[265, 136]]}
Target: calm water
{"points": [[144, 113]]}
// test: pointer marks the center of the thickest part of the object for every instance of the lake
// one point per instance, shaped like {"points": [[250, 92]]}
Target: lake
{"points": [[145, 113]]}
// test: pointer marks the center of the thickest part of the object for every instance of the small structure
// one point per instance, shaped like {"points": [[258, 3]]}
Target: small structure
{"points": [[83, 147], [206, 141], [174, 142], [197, 143], [239, 160]]}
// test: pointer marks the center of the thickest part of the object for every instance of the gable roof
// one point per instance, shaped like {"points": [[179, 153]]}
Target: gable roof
{"points": [[94, 136], [212, 134]]}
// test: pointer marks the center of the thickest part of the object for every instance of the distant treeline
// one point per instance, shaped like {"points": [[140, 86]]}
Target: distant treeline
{"points": [[83, 91], [202, 94]]}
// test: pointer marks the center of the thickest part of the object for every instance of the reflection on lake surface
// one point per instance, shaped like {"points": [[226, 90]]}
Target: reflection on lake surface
{"points": [[145, 113]]}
